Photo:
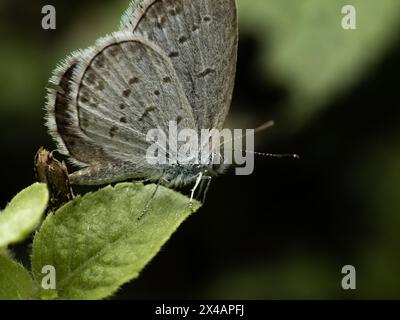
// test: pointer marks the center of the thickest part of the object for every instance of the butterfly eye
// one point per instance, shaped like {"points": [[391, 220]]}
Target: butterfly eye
{"points": [[216, 167]]}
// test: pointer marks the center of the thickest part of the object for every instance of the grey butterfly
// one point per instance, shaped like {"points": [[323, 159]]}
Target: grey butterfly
{"points": [[171, 60]]}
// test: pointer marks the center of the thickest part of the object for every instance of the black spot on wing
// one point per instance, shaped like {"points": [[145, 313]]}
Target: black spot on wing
{"points": [[195, 27], [126, 93], [146, 112], [99, 61], [206, 72], [134, 80], [112, 132], [182, 39], [173, 54]]}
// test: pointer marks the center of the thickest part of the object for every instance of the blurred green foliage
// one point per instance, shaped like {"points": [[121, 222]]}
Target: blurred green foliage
{"points": [[23, 214], [29, 59], [15, 281], [305, 47]]}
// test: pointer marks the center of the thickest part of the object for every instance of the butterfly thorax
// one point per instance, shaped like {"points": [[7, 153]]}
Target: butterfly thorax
{"points": [[179, 175]]}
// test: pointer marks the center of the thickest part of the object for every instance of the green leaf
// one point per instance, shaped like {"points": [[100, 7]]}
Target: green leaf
{"points": [[305, 48], [96, 243], [23, 214], [15, 281]]}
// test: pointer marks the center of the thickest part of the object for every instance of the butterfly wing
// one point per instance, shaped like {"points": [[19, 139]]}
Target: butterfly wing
{"points": [[201, 38], [112, 95]]}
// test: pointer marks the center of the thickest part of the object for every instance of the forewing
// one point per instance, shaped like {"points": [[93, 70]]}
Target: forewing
{"points": [[120, 89], [200, 37]]}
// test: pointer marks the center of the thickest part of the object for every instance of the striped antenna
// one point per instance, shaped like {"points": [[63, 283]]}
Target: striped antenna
{"points": [[274, 155]]}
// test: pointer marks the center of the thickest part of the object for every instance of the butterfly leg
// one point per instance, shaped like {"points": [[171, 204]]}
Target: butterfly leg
{"points": [[198, 180], [200, 189], [146, 208], [203, 188], [206, 189]]}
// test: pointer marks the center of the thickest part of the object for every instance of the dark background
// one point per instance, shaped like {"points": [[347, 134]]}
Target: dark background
{"points": [[287, 230]]}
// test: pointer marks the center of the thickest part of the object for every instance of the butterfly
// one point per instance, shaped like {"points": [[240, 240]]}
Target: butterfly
{"points": [[171, 60]]}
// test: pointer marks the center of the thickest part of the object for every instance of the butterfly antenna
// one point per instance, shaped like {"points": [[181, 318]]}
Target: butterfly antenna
{"points": [[274, 155], [263, 127]]}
